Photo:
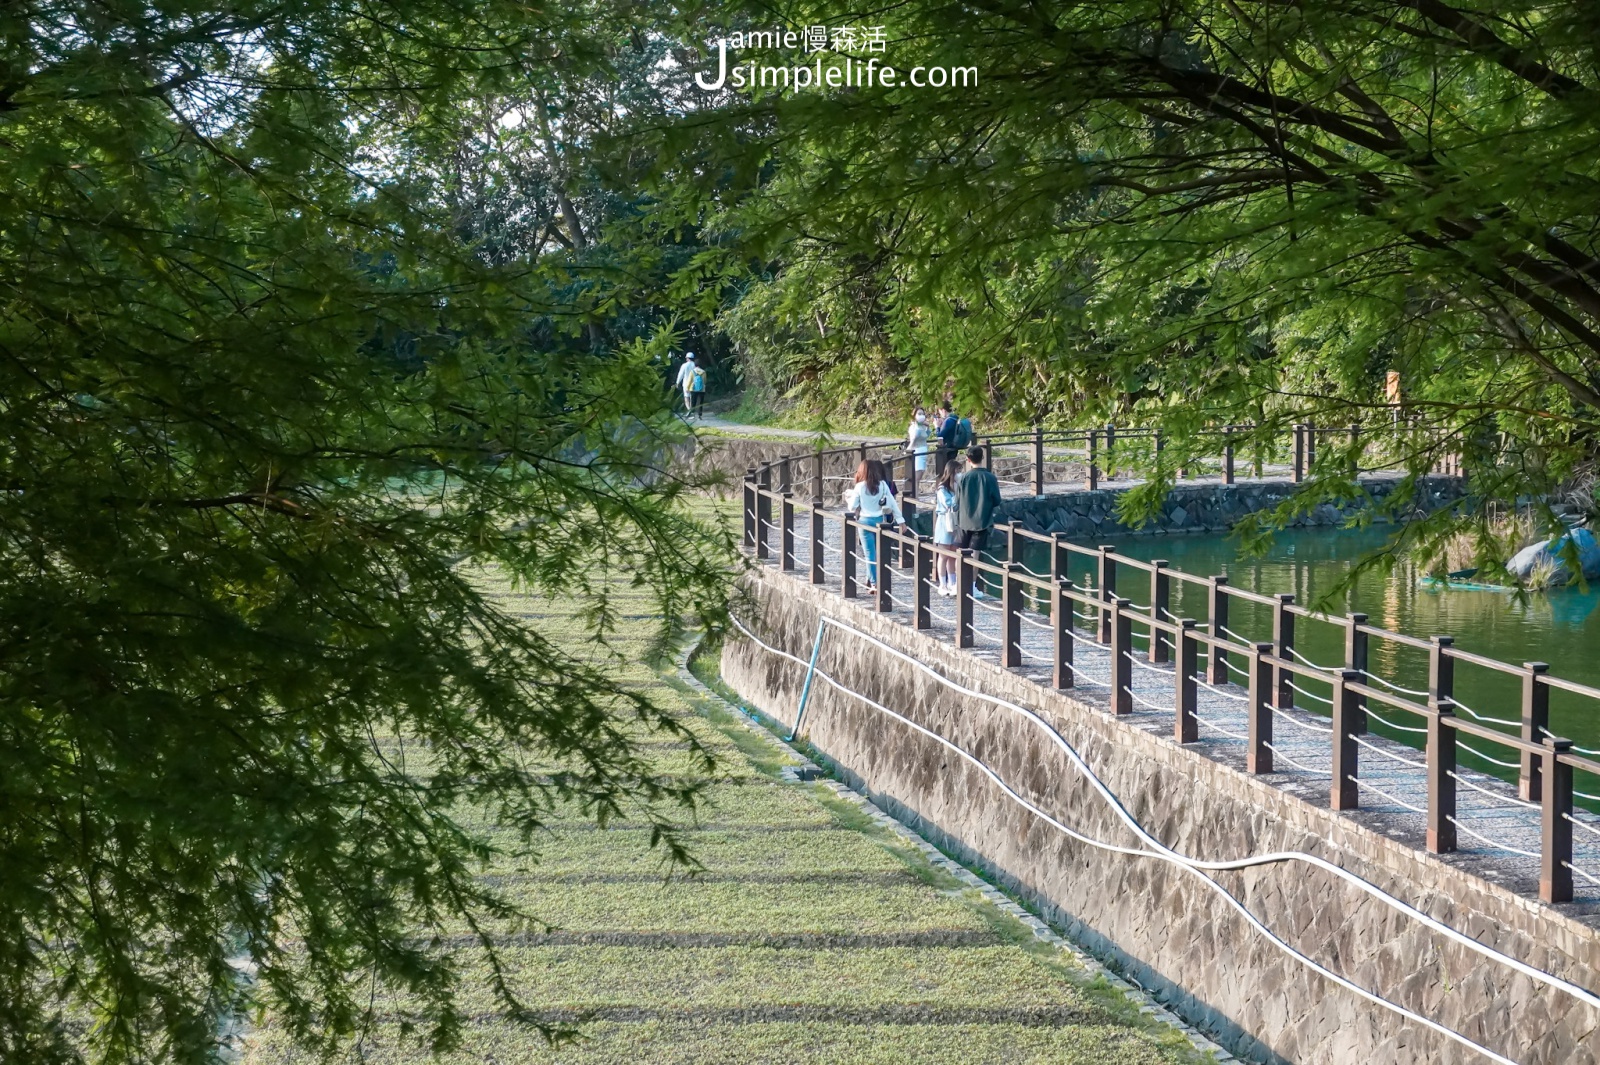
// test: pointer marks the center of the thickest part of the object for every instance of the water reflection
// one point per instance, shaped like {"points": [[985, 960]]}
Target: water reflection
{"points": [[1559, 627]]}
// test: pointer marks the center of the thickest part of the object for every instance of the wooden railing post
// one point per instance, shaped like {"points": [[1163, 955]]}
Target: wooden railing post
{"points": [[1061, 613], [909, 509], [1038, 460], [1299, 473], [1060, 557], [1259, 755], [1441, 670], [763, 511], [1355, 658], [1185, 726], [1011, 602], [847, 557], [816, 478], [1108, 588], [819, 544], [1441, 759], [749, 507], [1355, 448], [1535, 727], [1347, 711], [1227, 455], [1555, 850], [1217, 658], [923, 569], [784, 473], [1441, 747], [1121, 656], [1160, 599], [885, 572], [786, 559], [1111, 452], [1092, 463], [1283, 644], [965, 573], [1007, 532], [1311, 448]]}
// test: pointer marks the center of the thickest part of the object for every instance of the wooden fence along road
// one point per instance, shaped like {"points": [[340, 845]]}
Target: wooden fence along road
{"points": [[1039, 462], [1234, 699]]}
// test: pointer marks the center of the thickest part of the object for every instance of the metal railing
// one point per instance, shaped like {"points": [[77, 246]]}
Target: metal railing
{"points": [[1043, 457], [1272, 670]]}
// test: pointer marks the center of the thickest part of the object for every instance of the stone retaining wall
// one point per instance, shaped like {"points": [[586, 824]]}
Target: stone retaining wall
{"points": [[1205, 507], [1162, 924]]}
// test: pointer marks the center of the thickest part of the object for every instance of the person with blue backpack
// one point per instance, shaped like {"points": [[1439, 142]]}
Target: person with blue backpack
{"points": [[697, 389], [692, 380], [955, 435]]}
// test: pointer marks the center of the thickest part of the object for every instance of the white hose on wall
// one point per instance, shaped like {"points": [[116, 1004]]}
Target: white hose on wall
{"points": [[1157, 850]]}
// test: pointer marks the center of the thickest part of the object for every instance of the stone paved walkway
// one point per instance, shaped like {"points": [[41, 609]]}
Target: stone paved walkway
{"points": [[1499, 832]]}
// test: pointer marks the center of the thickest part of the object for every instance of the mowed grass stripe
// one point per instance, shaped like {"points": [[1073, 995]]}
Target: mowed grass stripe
{"points": [[963, 971], [664, 1043], [811, 934]]}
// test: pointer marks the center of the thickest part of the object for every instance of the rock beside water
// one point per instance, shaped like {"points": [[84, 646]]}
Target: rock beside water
{"points": [[1554, 553]]}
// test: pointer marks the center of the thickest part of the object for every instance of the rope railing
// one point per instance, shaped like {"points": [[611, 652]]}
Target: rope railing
{"points": [[1390, 754], [1365, 785], [1298, 765], [1508, 800], [1496, 844], [1226, 695], [1395, 724], [1214, 727], [1579, 872], [998, 601], [1298, 723]]}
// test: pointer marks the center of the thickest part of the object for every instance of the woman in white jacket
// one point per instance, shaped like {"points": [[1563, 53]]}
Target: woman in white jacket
{"points": [[872, 500], [917, 439]]}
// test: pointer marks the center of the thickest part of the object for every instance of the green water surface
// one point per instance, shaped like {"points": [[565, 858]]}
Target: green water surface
{"points": [[1561, 628]]}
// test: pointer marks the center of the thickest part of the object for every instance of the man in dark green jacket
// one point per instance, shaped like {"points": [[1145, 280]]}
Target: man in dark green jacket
{"points": [[977, 498]]}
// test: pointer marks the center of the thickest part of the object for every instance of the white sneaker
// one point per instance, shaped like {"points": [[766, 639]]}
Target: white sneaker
{"points": [[976, 594]]}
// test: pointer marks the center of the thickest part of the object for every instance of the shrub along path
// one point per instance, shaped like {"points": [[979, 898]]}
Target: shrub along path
{"points": [[812, 935]]}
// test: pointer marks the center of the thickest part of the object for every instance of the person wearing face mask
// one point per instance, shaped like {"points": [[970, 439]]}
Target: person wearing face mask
{"points": [[917, 439]]}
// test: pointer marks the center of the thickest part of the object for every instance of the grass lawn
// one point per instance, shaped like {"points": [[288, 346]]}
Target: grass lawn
{"points": [[811, 935]]}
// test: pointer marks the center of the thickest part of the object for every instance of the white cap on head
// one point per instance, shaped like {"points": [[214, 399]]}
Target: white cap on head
{"points": [[689, 355]]}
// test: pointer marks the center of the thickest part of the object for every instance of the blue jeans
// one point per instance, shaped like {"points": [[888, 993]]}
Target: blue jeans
{"points": [[869, 543]]}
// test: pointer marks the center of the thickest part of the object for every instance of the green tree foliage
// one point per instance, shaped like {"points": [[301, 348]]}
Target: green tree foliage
{"points": [[264, 410], [1208, 212]]}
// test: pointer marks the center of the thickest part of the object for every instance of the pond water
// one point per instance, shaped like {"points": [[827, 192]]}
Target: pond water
{"points": [[1561, 628]]}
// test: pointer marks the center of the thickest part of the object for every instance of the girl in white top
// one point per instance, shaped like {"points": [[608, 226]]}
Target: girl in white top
{"points": [[872, 500], [944, 527], [917, 438]]}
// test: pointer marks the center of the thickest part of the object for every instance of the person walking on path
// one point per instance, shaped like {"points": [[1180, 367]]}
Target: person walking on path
{"points": [[873, 502], [686, 374], [977, 499], [917, 440], [697, 390], [944, 527]]}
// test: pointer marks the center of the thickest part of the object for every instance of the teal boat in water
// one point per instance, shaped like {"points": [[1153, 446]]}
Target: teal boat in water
{"points": [[1451, 583], [1461, 581]]}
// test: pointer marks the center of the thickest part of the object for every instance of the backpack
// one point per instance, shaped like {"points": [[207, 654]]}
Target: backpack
{"points": [[963, 434], [697, 380]]}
